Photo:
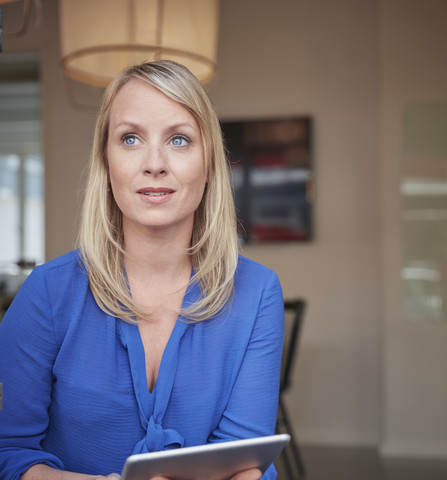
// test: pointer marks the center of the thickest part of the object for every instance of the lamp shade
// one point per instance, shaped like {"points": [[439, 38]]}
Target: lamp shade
{"points": [[101, 37]]}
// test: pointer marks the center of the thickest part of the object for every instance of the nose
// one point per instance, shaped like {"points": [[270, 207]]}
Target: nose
{"points": [[154, 161]]}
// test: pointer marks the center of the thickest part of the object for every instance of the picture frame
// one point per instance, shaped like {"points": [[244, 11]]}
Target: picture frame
{"points": [[272, 177]]}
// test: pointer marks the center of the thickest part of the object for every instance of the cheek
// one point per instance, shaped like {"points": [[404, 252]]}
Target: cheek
{"points": [[198, 180], [111, 166], [118, 173], [120, 187], [114, 174], [116, 180], [200, 191]]}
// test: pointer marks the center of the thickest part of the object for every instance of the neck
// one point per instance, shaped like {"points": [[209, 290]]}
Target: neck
{"points": [[154, 256]]}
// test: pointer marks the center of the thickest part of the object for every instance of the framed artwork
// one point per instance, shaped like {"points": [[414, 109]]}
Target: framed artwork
{"points": [[271, 166]]}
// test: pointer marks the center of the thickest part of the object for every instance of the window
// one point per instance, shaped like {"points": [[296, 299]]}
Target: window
{"points": [[21, 170], [21, 209]]}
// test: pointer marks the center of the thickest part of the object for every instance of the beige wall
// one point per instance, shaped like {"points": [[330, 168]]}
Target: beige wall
{"points": [[330, 60], [321, 58]]}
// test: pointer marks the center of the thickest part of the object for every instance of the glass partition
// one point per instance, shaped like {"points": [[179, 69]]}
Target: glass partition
{"points": [[424, 213]]}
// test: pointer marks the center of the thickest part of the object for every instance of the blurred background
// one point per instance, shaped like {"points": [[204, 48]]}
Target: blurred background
{"points": [[372, 77]]}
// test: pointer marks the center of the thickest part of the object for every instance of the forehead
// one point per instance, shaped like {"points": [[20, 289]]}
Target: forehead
{"points": [[139, 97]]}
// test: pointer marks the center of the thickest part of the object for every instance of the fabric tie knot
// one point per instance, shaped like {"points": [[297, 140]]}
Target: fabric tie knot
{"points": [[158, 438]]}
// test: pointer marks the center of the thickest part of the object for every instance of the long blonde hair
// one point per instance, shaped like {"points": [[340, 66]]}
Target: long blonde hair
{"points": [[213, 248]]}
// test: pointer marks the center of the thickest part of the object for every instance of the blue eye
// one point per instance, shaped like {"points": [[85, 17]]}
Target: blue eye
{"points": [[129, 140], [180, 141]]}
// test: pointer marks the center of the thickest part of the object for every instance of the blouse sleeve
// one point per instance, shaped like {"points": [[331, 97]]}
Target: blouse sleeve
{"points": [[253, 404], [28, 349]]}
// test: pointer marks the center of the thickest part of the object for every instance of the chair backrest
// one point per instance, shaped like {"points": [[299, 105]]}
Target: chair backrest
{"points": [[294, 316]]}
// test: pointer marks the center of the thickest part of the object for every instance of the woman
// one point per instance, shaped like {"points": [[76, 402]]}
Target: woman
{"points": [[154, 334]]}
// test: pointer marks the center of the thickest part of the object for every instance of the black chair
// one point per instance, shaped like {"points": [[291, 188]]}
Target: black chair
{"points": [[291, 456], [5, 302]]}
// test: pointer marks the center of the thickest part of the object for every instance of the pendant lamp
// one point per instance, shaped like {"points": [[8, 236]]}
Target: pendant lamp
{"points": [[101, 37], [25, 16]]}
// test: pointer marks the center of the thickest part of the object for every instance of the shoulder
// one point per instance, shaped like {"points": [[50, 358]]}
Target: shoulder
{"points": [[57, 294], [64, 262], [256, 285], [249, 270], [51, 291], [67, 265], [257, 306], [61, 275]]}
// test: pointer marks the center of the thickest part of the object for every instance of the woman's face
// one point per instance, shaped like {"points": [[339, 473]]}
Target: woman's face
{"points": [[155, 160]]}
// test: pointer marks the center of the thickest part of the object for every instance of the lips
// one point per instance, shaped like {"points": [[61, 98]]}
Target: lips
{"points": [[155, 196], [155, 192]]}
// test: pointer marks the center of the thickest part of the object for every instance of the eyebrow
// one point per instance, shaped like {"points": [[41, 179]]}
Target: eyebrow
{"points": [[127, 124], [173, 127]]}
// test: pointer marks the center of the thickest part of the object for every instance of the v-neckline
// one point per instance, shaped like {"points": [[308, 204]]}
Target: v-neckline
{"points": [[152, 406], [131, 339], [134, 344]]}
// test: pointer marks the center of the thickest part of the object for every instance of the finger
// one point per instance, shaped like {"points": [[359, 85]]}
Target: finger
{"points": [[112, 476], [252, 474]]}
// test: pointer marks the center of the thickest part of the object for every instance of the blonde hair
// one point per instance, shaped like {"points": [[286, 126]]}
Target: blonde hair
{"points": [[213, 248]]}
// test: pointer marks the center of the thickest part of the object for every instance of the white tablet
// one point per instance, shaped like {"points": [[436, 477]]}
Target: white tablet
{"points": [[214, 461]]}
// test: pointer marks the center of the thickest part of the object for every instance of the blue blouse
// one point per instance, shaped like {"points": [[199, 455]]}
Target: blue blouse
{"points": [[75, 391]]}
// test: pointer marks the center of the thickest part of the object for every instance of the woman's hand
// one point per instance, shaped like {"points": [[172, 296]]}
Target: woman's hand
{"points": [[44, 472], [112, 476], [252, 474]]}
